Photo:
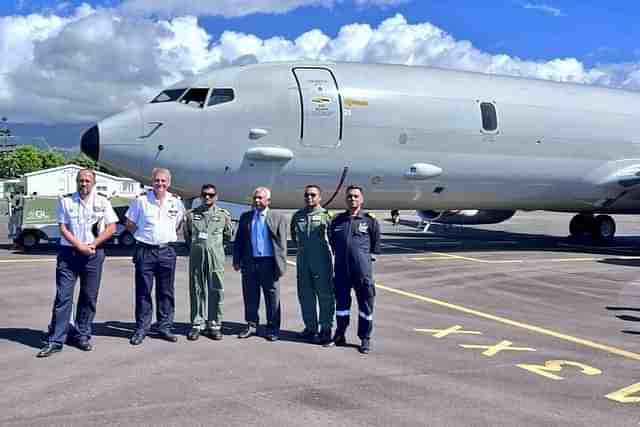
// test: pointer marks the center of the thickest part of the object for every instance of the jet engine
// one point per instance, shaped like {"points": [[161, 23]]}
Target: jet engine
{"points": [[465, 217]]}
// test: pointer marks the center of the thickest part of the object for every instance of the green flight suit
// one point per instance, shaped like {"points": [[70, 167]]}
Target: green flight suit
{"points": [[204, 232], [309, 230]]}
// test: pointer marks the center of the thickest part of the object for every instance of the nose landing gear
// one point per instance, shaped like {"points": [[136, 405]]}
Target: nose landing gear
{"points": [[602, 228]]}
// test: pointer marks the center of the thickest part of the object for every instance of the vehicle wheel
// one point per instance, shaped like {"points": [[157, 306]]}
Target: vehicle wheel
{"points": [[580, 224], [29, 240], [126, 240], [603, 228]]}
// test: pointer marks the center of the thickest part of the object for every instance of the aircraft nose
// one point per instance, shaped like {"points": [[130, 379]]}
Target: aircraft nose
{"points": [[90, 143]]}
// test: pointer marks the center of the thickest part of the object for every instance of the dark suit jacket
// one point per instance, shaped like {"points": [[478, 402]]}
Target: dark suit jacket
{"points": [[277, 226]]}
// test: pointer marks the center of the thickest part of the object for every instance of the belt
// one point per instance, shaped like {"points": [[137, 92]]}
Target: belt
{"points": [[262, 258], [148, 246]]}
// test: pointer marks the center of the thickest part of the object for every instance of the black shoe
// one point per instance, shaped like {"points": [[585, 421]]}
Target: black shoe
{"points": [[306, 334], [84, 344], [49, 349], [215, 334], [324, 338], [365, 346], [193, 334], [167, 336], [137, 338], [272, 336], [339, 341], [247, 332]]}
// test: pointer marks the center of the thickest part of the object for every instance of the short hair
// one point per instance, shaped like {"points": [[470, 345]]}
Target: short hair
{"points": [[354, 187], [86, 170], [264, 190], [207, 186], [306, 187], [163, 171]]}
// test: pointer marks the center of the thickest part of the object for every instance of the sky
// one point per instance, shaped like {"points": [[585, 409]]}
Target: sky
{"points": [[67, 64]]}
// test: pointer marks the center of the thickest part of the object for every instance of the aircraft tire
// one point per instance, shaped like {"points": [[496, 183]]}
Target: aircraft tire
{"points": [[126, 240], [29, 240], [580, 224], [603, 228]]}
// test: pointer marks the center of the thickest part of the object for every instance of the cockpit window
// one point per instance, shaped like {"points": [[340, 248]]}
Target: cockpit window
{"points": [[220, 96], [195, 97], [169, 95]]}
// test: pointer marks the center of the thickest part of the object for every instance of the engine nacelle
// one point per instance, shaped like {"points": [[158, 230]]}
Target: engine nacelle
{"points": [[465, 217]]}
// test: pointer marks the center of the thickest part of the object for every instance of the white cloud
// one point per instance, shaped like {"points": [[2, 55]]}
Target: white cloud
{"points": [[227, 8], [554, 11], [233, 8], [96, 62]]}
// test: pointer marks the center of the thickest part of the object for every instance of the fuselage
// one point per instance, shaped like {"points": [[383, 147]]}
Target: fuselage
{"points": [[412, 137]]}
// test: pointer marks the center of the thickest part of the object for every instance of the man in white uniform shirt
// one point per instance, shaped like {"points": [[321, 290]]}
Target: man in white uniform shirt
{"points": [[154, 218], [86, 220]]}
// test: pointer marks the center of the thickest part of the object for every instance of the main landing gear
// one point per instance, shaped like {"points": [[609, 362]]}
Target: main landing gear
{"points": [[602, 228]]}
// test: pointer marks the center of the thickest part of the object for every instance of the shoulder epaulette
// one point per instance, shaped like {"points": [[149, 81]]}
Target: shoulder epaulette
{"points": [[141, 194], [370, 215], [66, 195], [225, 211], [100, 193]]}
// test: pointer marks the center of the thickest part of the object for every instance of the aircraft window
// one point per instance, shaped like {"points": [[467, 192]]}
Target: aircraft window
{"points": [[489, 116], [169, 95], [220, 96], [195, 97]]}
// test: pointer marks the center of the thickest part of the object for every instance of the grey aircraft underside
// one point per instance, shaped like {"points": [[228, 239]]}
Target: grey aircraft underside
{"points": [[456, 146]]}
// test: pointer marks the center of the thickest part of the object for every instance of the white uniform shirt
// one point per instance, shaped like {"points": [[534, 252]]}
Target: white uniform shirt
{"points": [[81, 215], [156, 225]]}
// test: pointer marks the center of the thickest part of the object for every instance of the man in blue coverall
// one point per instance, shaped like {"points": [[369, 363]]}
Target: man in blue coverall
{"points": [[355, 237]]}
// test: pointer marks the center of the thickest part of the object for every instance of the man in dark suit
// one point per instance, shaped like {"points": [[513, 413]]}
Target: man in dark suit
{"points": [[260, 252]]}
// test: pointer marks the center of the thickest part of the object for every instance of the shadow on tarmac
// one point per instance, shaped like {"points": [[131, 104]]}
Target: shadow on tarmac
{"points": [[25, 336]]}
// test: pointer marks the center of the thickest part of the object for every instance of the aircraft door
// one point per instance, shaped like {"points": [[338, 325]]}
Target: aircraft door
{"points": [[321, 107]]}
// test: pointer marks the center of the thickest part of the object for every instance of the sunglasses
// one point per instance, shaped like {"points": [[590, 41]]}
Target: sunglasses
{"points": [[310, 195], [212, 195]]}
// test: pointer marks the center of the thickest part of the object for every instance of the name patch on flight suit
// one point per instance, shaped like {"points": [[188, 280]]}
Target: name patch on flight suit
{"points": [[197, 217], [316, 218], [363, 227], [203, 236]]}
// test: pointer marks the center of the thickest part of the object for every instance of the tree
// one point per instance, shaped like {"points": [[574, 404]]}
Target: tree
{"points": [[51, 159], [84, 161], [27, 158]]}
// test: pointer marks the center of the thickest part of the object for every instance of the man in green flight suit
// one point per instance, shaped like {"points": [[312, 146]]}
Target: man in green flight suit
{"points": [[309, 227], [205, 230]]}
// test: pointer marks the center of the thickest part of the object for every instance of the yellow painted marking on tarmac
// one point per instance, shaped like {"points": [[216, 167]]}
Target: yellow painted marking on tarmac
{"points": [[441, 333], [492, 350], [53, 259], [537, 329], [619, 257], [483, 261], [11, 261], [430, 258], [444, 256], [624, 394], [550, 366]]}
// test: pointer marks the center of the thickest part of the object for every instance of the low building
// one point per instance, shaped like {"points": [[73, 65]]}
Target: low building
{"points": [[9, 187], [62, 180]]}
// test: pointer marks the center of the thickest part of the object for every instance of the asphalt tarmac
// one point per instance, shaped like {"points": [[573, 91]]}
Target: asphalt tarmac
{"points": [[505, 325]]}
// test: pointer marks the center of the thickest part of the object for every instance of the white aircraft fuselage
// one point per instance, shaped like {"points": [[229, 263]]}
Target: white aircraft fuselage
{"points": [[412, 137]]}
